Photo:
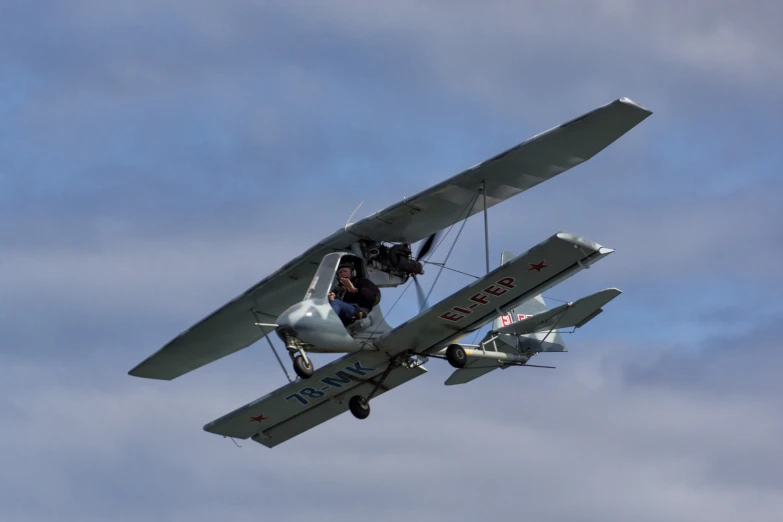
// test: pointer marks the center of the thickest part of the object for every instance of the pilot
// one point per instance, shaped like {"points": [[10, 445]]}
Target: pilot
{"points": [[354, 296]]}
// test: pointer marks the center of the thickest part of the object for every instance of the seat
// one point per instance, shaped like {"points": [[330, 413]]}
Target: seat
{"points": [[362, 323]]}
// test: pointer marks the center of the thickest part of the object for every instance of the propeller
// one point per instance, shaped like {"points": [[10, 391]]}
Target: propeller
{"points": [[423, 251], [427, 246], [420, 294]]}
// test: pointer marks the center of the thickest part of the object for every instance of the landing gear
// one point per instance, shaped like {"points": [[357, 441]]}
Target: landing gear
{"points": [[456, 356], [359, 406], [303, 367]]}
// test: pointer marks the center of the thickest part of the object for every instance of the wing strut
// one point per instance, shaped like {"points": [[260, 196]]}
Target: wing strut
{"points": [[272, 346], [486, 225]]}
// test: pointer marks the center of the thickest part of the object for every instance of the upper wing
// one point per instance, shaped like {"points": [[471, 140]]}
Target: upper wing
{"points": [[301, 405], [568, 315], [522, 167], [525, 276], [542, 157]]}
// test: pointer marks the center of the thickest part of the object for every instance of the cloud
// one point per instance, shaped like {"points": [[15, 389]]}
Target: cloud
{"points": [[554, 441], [158, 158]]}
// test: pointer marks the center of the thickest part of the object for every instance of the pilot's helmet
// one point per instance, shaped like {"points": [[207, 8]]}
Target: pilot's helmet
{"points": [[347, 264]]}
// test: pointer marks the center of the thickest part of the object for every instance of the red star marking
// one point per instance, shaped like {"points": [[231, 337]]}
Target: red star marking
{"points": [[538, 266], [258, 419]]}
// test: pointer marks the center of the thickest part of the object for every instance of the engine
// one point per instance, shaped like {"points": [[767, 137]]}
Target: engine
{"points": [[395, 260]]}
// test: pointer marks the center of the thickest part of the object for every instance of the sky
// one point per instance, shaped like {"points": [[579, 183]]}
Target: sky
{"points": [[159, 157]]}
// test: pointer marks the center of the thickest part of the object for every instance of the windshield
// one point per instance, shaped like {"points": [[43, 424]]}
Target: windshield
{"points": [[324, 277]]}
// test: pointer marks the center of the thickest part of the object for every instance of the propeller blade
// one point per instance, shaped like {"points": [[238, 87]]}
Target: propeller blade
{"points": [[420, 295], [427, 245]]}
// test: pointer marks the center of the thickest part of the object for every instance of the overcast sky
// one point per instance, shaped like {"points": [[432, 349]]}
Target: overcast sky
{"points": [[159, 157]]}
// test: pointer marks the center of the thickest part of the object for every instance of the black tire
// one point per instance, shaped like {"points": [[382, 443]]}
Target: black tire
{"points": [[359, 407], [456, 356], [303, 369]]}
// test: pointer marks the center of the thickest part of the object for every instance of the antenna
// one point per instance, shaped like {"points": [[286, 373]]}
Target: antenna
{"points": [[352, 213]]}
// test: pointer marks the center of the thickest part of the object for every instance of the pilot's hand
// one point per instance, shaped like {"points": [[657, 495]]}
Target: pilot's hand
{"points": [[331, 296], [347, 284]]}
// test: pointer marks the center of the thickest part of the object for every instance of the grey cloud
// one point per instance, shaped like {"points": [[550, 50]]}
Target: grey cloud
{"points": [[500, 50], [555, 441], [251, 117], [158, 158], [721, 365]]}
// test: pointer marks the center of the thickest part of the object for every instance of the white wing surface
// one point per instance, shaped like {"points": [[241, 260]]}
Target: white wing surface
{"points": [[301, 405], [516, 170]]}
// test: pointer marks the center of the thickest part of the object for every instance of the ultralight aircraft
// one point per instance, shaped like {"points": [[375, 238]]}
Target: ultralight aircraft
{"points": [[294, 301]]}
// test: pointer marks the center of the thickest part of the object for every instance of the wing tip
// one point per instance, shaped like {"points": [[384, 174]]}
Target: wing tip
{"points": [[139, 371], [580, 241], [629, 102]]}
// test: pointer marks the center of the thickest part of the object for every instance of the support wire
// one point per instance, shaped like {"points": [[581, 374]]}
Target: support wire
{"points": [[461, 228]]}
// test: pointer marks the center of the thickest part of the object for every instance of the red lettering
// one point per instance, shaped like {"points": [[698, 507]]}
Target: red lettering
{"points": [[480, 299], [461, 310], [451, 316], [522, 316], [494, 290], [505, 319], [508, 282]]}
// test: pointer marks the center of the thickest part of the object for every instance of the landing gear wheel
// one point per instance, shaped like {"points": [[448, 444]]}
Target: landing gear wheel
{"points": [[359, 407], [303, 369], [456, 356]]}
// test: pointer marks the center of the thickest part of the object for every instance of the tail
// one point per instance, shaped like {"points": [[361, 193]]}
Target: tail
{"points": [[545, 341]]}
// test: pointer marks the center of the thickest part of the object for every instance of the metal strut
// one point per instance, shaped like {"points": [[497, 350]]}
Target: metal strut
{"points": [[486, 223], [554, 327], [279, 360], [272, 346], [396, 362], [378, 384], [464, 222]]}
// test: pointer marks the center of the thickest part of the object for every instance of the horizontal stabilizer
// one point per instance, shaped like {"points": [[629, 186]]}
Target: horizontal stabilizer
{"points": [[569, 315], [533, 334], [465, 375]]}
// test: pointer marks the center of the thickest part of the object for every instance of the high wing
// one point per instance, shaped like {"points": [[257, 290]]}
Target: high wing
{"points": [[522, 278], [520, 168], [569, 315], [301, 405], [538, 159]]}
